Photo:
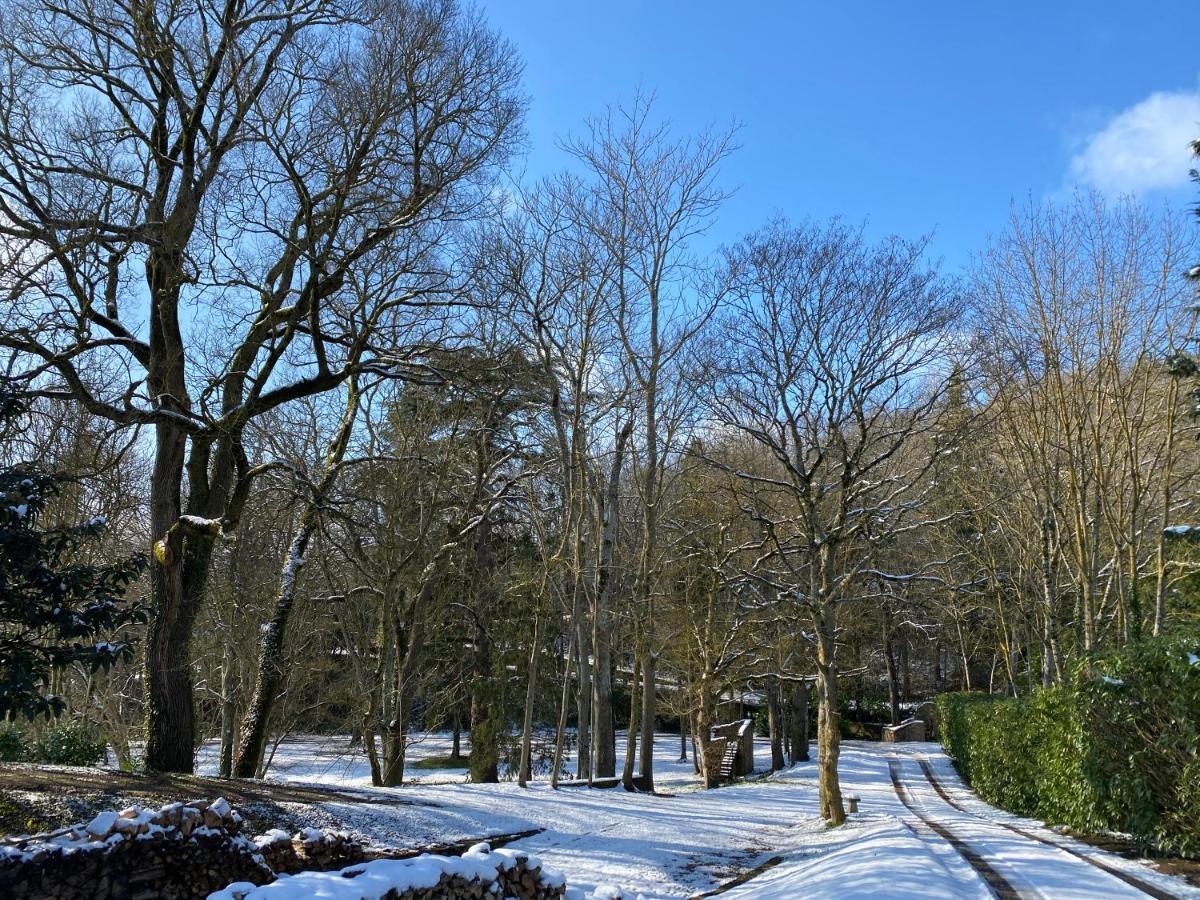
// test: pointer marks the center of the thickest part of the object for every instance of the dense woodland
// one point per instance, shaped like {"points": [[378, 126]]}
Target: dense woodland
{"points": [[411, 442]]}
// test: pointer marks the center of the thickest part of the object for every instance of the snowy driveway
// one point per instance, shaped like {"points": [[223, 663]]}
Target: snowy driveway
{"points": [[1018, 858], [923, 835]]}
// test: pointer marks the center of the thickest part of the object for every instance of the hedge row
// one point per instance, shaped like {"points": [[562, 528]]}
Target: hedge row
{"points": [[1116, 748]]}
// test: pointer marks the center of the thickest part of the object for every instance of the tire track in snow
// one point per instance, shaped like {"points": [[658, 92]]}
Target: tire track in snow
{"points": [[748, 875], [1000, 886], [1132, 880]]}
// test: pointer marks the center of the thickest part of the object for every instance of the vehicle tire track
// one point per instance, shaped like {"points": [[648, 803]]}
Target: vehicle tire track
{"points": [[1000, 886], [748, 875], [1131, 880]]}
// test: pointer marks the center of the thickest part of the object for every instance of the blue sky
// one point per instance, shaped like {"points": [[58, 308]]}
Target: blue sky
{"points": [[913, 116]]}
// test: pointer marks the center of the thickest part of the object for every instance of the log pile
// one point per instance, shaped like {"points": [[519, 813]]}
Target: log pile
{"points": [[178, 852], [478, 874], [309, 850], [189, 851]]}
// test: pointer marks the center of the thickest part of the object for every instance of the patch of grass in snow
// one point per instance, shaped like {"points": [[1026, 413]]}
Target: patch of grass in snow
{"points": [[35, 798], [442, 762], [19, 816]]}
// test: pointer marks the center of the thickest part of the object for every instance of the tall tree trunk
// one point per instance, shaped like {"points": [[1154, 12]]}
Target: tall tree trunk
{"points": [[631, 735], [485, 719], [775, 722], [227, 712], [530, 696], [168, 666], [580, 636], [1006, 644], [1049, 547], [604, 740], [561, 730], [406, 650], [799, 723], [1029, 659], [646, 757], [577, 648], [1135, 595], [372, 752], [372, 715], [270, 653], [583, 697], [604, 745], [828, 736], [893, 676], [1160, 555], [170, 726], [396, 745], [1089, 589], [702, 732], [962, 652], [647, 560], [485, 729]]}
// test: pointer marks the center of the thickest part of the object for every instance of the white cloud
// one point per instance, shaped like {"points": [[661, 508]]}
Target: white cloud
{"points": [[1144, 147]]}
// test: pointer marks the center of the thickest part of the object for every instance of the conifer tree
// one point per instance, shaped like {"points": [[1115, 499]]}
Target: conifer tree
{"points": [[55, 611], [1181, 363]]}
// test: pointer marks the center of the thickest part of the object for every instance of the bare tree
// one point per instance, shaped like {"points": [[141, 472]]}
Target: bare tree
{"points": [[190, 221], [832, 360], [653, 194], [723, 641], [1078, 306], [557, 275], [270, 655]]}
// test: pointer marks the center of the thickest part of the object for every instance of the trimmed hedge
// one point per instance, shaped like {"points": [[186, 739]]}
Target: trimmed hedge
{"points": [[1117, 748]]}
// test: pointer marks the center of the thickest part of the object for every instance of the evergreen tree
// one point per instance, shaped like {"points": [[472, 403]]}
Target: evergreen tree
{"points": [[55, 611], [1182, 364]]}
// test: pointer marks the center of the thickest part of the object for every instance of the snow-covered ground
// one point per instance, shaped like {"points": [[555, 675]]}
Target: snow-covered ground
{"points": [[687, 840]]}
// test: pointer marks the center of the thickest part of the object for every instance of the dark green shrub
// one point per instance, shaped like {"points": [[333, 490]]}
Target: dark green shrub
{"points": [[13, 745], [1147, 712], [861, 718], [71, 742], [58, 613], [1114, 749]]}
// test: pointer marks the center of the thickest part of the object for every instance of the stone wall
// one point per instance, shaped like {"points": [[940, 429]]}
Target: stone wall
{"points": [[909, 730], [927, 713]]}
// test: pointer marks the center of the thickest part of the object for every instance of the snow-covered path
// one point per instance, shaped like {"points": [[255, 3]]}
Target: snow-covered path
{"points": [[687, 841], [1031, 860], [950, 844]]}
